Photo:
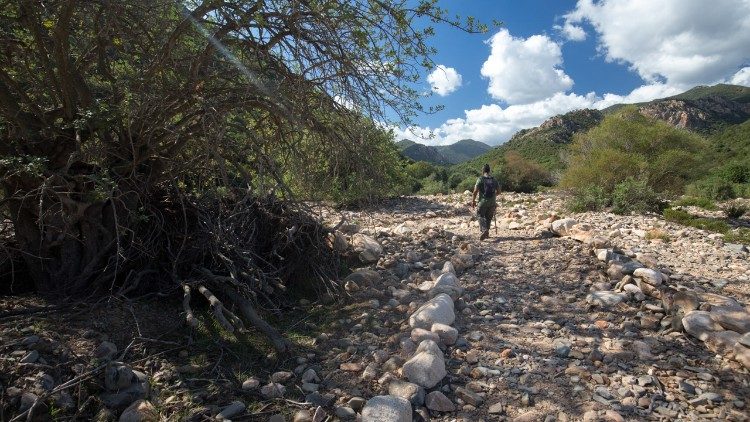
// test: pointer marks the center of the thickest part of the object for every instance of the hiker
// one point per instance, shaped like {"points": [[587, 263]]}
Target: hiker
{"points": [[487, 188]]}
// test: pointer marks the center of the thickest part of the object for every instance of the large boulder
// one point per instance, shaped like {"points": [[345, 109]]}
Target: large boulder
{"points": [[742, 354], [369, 249], [649, 276], [462, 261], [563, 227], [605, 298], [387, 408], [364, 277], [337, 241], [700, 324], [436, 401], [438, 309], [735, 319], [140, 411], [447, 283], [410, 391], [447, 334], [714, 299], [685, 301], [722, 342], [427, 367]]}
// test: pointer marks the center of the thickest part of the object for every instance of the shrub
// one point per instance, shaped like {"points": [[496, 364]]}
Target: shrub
{"points": [[591, 198], [735, 210], [683, 217], [634, 196], [629, 145], [521, 175], [677, 215], [657, 234], [466, 184], [689, 201], [713, 188], [735, 173]]}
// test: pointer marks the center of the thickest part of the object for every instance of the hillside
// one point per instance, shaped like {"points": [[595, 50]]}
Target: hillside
{"points": [[455, 153], [709, 110], [703, 109], [544, 143], [463, 150]]}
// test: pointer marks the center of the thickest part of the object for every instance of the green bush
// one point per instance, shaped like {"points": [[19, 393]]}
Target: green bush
{"points": [[735, 173], [689, 201], [634, 196], [713, 188], [466, 184], [629, 145], [521, 175], [591, 198], [741, 190]]}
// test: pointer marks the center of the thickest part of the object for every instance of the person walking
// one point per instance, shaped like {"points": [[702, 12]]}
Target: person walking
{"points": [[487, 188]]}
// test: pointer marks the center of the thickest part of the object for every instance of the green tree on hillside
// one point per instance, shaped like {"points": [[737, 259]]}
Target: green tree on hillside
{"points": [[629, 145]]}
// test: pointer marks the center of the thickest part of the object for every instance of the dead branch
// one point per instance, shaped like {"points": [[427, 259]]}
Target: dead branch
{"points": [[189, 317], [281, 344], [220, 312]]}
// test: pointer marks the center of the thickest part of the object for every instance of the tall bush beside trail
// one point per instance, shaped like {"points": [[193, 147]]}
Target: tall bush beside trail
{"points": [[630, 145]]}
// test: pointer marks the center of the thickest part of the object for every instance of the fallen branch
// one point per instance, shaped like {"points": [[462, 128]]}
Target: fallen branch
{"points": [[247, 309], [189, 317], [218, 308]]}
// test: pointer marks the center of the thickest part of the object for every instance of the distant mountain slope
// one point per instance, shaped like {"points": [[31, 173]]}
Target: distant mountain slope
{"points": [[458, 152], [419, 152], [463, 150], [544, 143], [703, 109], [737, 93]]}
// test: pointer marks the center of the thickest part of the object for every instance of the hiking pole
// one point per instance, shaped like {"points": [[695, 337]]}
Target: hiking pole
{"points": [[495, 215]]}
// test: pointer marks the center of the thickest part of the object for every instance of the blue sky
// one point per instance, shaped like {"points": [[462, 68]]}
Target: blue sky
{"points": [[550, 57]]}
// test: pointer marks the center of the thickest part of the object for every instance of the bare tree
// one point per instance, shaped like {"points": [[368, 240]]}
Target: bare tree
{"points": [[116, 118]]}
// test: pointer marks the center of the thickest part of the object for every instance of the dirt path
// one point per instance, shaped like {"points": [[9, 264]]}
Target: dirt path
{"points": [[531, 346]]}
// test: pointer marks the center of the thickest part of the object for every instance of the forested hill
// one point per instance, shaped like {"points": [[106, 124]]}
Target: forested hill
{"points": [[455, 153]]}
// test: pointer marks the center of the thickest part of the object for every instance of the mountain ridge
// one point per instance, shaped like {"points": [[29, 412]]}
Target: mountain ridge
{"points": [[454, 153], [702, 109]]}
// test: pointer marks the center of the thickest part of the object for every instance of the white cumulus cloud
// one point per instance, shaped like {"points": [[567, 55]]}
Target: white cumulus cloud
{"points": [[444, 80], [742, 77], [570, 31], [685, 42], [494, 124], [522, 71]]}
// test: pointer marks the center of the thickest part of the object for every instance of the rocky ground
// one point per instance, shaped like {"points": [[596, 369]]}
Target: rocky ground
{"points": [[528, 325]]}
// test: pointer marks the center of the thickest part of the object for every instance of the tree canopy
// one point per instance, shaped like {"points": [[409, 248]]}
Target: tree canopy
{"points": [[133, 133]]}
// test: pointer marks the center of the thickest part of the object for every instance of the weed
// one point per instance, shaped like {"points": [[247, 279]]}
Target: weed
{"points": [[657, 234]]}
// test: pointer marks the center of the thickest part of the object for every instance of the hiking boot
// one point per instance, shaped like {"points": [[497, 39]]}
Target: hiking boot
{"points": [[485, 235]]}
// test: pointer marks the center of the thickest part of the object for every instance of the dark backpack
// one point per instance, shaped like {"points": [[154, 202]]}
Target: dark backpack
{"points": [[489, 187]]}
